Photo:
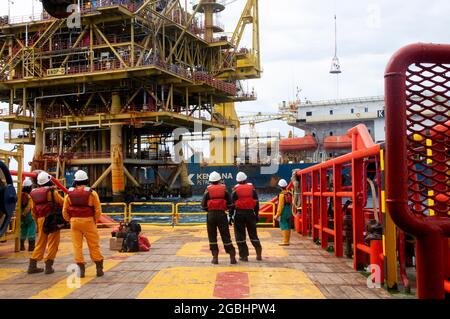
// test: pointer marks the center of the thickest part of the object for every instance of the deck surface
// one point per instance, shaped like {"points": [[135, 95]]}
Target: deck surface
{"points": [[178, 266]]}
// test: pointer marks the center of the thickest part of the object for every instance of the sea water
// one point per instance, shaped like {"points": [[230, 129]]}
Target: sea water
{"points": [[164, 205]]}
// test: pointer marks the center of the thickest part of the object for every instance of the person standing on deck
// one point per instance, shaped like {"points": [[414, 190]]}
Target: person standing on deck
{"points": [[245, 212], [216, 201], [284, 212], [45, 200], [27, 224], [82, 208]]}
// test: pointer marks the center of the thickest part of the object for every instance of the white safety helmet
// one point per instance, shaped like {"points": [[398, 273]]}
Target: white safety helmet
{"points": [[81, 176], [282, 183], [241, 177], [214, 177], [43, 178], [27, 183]]}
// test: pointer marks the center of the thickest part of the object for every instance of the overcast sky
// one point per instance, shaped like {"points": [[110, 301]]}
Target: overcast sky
{"points": [[297, 44]]}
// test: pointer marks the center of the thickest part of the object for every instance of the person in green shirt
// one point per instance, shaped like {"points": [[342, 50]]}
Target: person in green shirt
{"points": [[284, 212]]}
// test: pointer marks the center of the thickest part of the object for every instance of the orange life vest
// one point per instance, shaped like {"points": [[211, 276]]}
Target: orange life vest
{"points": [[79, 199], [217, 201], [42, 206], [245, 199]]}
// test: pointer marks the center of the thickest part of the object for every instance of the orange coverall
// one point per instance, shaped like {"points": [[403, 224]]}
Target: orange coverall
{"points": [[51, 240], [85, 227]]}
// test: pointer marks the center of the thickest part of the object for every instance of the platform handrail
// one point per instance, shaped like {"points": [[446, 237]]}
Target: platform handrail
{"points": [[271, 213], [185, 204], [414, 79], [123, 213], [168, 204], [320, 186]]}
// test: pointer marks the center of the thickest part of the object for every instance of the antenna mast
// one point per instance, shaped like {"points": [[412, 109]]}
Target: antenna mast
{"points": [[335, 64]]}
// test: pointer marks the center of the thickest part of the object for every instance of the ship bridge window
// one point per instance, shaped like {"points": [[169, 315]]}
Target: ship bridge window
{"points": [[366, 109], [352, 111], [308, 113], [331, 112]]}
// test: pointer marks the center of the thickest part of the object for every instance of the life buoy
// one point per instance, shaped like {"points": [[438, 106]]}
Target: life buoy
{"points": [[358, 115]]}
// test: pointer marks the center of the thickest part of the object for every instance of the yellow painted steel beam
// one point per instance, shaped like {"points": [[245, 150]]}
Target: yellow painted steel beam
{"points": [[168, 118], [102, 177], [389, 235], [78, 40], [185, 29], [130, 177], [98, 76], [92, 161], [100, 33]]}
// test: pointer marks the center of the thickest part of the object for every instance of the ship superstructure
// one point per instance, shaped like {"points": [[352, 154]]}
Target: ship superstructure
{"points": [[327, 122]]}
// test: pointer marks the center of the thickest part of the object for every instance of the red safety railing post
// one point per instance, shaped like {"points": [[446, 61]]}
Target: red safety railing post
{"points": [[305, 206], [358, 213], [338, 215], [323, 208], [429, 265], [376, 251], [315, 209], [407, 99]]}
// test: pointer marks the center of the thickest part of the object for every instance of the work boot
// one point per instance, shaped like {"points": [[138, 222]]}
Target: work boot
{"points": [[99, 265], [258, 253], [48, 267], [243, 258], [215, 259], [32, 267], [31, 244], [233, 260], [82, 267], [286, 238], [22, 245]]}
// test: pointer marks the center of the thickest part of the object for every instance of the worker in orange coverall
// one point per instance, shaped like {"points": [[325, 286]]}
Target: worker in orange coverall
{"points": [[46, 200], [82, 208]]}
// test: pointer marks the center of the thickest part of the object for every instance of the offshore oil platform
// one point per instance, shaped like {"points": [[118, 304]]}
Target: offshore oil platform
{"points": [[104, 88]]}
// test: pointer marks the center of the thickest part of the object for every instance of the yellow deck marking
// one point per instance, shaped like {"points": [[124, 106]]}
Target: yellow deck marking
{"points": [[200, 282], [169, 228], [61, 290], [201, 249], [64, 249], [6, 273]]}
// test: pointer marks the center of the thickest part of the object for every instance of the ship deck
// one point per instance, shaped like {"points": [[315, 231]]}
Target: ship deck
{"points": [[178, 266]]}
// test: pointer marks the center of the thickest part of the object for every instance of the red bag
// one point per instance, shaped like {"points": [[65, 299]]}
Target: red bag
{"points": [[144, 243]]}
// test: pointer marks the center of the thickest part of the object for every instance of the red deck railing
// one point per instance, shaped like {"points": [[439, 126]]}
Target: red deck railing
{"points": [[417, 163], [323, 185]]}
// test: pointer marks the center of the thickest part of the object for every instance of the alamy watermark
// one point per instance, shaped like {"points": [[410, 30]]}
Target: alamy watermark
{"points": [[374, 279], [74, 20], [73, 280], [373, 20]]}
